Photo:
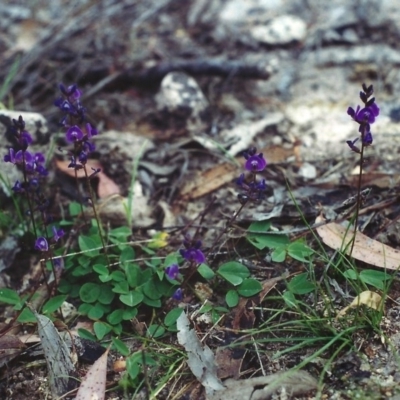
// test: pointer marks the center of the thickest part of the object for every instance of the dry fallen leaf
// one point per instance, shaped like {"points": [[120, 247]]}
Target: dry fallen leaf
{"points": [[212, 179], [106, 187], [93, 386], [200, 357], [367, 298], [10, 347], [293, 383], [59, 363], [365, 249]]}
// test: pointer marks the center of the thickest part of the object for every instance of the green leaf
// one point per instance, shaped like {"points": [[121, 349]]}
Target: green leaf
{"points": [[156, 303], [89, 292], [101, 269], [129, 314], [259, 226], [268, 240], [232, 298], [121, 347], [172, 316], [301, 285], [85, 334], [133, 275], [96, 311], [350, 274], [374, 278], [299, 251], [127, 254], [90, 245], [84, 308], [53, 304], [26, 316], [155, 331], [105, 278], [249, 287], [205, 271], [233, 272], [115, 317], [74, 208], [131, 299], [101, 329], [279, 254], [120, 233], [150, 290], [132, 367], [9, 296], [117, 329], [107, 295], [289, 299], [171, 258], [118, 276], [121, 287]]}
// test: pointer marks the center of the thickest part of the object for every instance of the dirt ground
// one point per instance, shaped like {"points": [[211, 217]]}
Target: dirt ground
{"points": [[180, 81]]}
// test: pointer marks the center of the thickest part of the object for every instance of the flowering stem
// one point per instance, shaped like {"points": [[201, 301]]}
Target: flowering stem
{"points": [[96, 215]]}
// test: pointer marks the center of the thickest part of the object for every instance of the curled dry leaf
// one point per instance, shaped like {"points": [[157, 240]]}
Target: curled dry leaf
{"points": [[367, 298], [365, 249]]}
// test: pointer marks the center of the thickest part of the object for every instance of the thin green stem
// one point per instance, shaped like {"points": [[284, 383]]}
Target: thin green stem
{"points": [[359, 198]]}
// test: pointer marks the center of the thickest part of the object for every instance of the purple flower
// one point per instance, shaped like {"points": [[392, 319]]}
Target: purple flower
{"points": [[364, 115], [18, 188], [83, 157], [72, 91], [41, 244], [74, 134], [74, 164], [90, 131], [10, 157], [178, 294], [192, 252], [255, 163], [172, 271], [25, 139], [39, 158], [57, 233]]}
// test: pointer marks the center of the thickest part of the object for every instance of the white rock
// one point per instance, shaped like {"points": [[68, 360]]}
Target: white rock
{"points": [[281, 30]]}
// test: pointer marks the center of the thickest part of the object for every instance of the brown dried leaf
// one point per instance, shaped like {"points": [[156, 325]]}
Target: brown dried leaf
{"points": [[365, 249], [106, 187], [215, 177], [367, 298], [10, 347], [264, 387], [93, 385]]}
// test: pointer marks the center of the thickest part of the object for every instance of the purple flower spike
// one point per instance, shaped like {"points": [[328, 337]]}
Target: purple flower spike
{"points": [[57, 234], [255, 163], [172, 271], [178, 294], [41, 244], [74, 134]]}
